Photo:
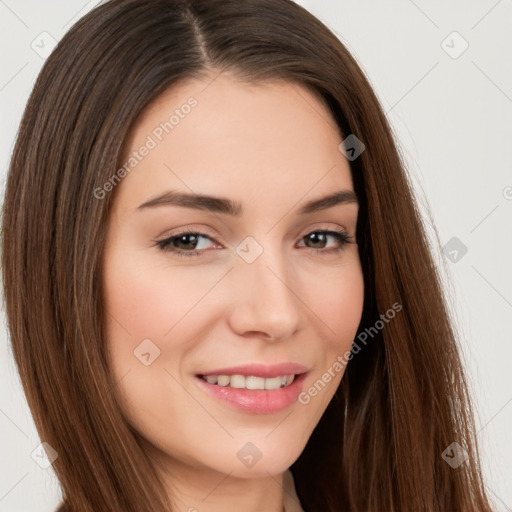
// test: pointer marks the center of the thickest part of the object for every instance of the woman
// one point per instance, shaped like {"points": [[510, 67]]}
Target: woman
{"points": [[258, 371]]}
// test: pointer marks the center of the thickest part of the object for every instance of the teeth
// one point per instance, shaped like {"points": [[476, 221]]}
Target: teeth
{"points": [[237, 381], [250, 382], [223, 380]]}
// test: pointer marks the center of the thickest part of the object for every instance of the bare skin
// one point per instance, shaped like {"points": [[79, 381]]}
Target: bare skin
{"points": [[271, 147]]}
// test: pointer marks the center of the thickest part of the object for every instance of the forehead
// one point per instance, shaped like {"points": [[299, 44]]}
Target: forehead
{"points": [[259, 140]]}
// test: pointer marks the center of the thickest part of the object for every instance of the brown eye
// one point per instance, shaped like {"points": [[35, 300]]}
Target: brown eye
{"points": [[183, 244], [319, 240]]}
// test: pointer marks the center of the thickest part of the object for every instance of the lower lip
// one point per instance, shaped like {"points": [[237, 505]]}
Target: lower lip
{"points": [[256, 401]]}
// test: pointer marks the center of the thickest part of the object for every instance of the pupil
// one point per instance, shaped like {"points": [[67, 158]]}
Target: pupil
{"points": [[184, 237], [316, 235]]}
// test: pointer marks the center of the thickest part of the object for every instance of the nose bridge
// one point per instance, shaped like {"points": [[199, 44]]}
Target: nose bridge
{"points": [[265, 300]]}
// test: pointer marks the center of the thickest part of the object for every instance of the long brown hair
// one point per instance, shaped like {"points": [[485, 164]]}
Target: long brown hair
{"points": [[403, 398]]}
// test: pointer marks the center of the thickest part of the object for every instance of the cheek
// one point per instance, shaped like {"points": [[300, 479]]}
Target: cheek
{"points": [[337, 304], [337, 301], [338, 309], [143, 302], [148, 300], [156, 309]]}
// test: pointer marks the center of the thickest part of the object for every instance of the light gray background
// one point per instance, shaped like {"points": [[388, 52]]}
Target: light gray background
{"points": [[452, 115]]}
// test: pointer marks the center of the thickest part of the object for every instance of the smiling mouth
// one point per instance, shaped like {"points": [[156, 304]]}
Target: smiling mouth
{"points": [[250, 381]]}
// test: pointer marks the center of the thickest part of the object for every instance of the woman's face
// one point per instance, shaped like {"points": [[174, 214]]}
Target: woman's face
{"points": [[265, 286]]}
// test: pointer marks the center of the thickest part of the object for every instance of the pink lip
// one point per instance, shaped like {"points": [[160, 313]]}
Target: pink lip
{"points": [[260, 370], [257, 401]]}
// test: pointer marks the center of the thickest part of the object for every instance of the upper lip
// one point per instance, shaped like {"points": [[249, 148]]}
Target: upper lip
{"points": [[260, 370]]}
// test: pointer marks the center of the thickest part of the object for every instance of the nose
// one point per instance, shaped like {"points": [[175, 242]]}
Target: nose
{"points": [[265, 300]]}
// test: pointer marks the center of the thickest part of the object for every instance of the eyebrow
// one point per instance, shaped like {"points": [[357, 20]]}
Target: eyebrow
{"points": [[234, 208]]}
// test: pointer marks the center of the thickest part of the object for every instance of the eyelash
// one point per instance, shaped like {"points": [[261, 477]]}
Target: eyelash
{"points": [[341, 236]]}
